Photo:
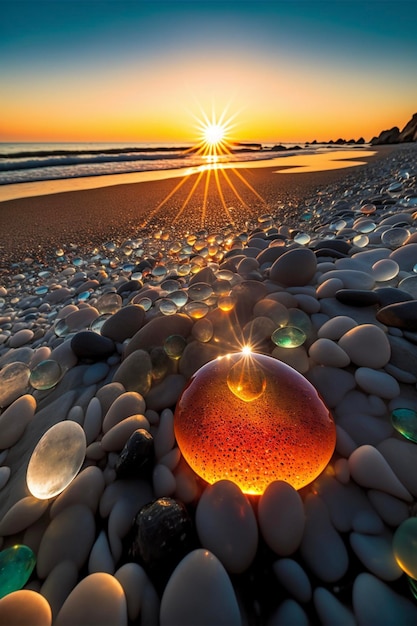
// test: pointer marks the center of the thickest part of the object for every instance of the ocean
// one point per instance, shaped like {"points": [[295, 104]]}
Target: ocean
{"points": [[31, 162]]}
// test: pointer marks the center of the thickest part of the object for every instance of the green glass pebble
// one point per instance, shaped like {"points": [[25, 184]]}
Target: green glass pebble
{"points": [[405, 422], [174, 346], [16, 566], [404, 546], [288, 337], [46, 374]]}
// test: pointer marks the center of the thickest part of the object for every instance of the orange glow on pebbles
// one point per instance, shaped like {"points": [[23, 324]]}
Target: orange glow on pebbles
{"points": [[252, 419]]}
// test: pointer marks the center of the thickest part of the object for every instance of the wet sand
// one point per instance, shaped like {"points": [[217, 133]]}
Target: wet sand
{"points": [[36, 226]]}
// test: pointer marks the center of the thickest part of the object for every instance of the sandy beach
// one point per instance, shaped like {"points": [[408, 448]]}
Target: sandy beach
{"points": [[36, 226]]}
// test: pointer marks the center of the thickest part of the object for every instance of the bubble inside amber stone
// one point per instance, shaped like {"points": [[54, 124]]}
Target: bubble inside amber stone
{"points": [[277, 428]]}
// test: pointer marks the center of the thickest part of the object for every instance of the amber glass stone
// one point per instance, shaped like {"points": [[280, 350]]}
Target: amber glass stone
{"points": [[252, 419]]}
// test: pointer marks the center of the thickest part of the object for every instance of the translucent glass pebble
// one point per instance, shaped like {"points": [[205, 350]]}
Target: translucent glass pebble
{"points": [[61, 328], [174, 346], [109, 303], [288, 337], [361, 241], [83, 296], [45, 375], [196, 310], [252, 419], [405, 546], [385, 269], [179, 297], [56, 460], [226, 303], [97, 324], [40, 291], [16, 566], [167, 306], [14, 379], [395, 237], [405, 422], [145, 303], [302, 238], [200, 291]]}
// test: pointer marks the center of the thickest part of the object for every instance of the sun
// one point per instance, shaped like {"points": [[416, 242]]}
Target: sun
{"points": [[214, 134]]}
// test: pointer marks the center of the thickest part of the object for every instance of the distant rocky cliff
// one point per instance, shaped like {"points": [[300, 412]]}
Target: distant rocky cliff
{"points": [[394, 135]]}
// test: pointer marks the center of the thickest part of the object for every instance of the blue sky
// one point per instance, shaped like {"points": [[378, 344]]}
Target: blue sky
{"points": [[103, 69]]}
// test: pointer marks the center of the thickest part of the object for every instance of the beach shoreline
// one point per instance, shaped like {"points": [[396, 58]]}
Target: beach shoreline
{"points": [[90, 217]]}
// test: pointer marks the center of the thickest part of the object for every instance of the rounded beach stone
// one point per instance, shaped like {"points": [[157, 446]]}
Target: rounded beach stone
{"points": [[226, 525], [86, 488], [376, 553], [281, 518], [402, 458], [327, 352], [98, 600], [125, 405], [22, 515], [87, 344], [370, 470], [400, 315], [115, 438], [336, 327], [378, 383], [322, 547], [166, 393], [188, 596], [356, 297], [63, 540], [330, 610], [25, 607], [81, 319], [294, 267], [374, 602], [124, 324], [293, 578], [135, 372], [21, 337], [15, 419], [155, 332], [366, 345], [405, 256], [59, 584]]}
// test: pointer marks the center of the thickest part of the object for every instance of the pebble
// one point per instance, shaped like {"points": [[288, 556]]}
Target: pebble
{"points": [[15, 419], [369, 469], [330, 610], [401, 456], [87, 344], [25, 607], [98, 600], [124, 323], [281, 518], [116, 437], [400, 315], [374, 602], [366, 345], [124, 405], [326, 352], [322, 547], [135, 372], [62, 539], [376, 554], [376, 382], [295, 267], [188, 596], [293, 578], [226, 526], [21, 337]]}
